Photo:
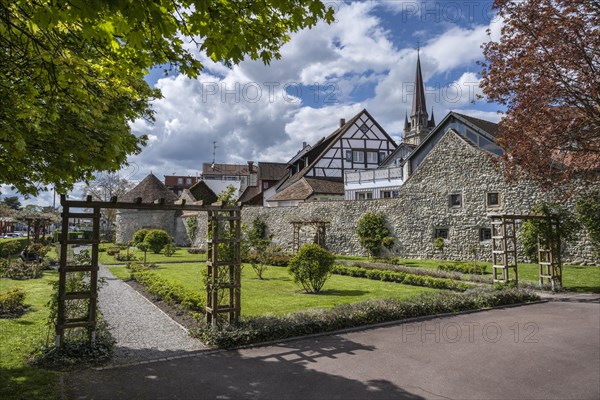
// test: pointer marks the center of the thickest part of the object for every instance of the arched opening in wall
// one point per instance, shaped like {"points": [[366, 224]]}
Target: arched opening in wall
{"points": [[77, 304], [312, 231], [505, 250]]}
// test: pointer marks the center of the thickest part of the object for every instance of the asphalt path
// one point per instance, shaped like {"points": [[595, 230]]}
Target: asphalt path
{"points": [[539, 351]]}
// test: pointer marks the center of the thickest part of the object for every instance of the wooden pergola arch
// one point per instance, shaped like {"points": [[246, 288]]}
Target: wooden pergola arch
{"points": [[223, 258], [504, 249], [320, 232]]}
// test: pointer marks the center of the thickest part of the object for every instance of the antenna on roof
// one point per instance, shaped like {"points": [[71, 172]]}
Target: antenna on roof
{"points": [[214, 153]]}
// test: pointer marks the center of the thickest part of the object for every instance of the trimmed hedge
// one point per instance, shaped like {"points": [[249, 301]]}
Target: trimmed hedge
{"points": [[457, 276], [21, 241], [17, 269], [268, 258], [168, 291], [262, 329], [401, 277], [463, 268]]}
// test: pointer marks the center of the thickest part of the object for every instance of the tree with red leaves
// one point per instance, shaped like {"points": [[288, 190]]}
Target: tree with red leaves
{"points": [[546, 70]]}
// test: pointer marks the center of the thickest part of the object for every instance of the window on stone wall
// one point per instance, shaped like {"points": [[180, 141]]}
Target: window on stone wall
{"points": [[440, 233], [386, 194], [493, 199], [485, 234], [395, 194], [188, 181], [180, 181], [455, 200]]}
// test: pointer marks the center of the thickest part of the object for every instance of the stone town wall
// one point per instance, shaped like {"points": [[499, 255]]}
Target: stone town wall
{"points": [[452, 167], [130, 221]]}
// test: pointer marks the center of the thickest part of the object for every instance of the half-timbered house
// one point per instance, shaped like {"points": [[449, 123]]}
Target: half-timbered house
{"points": [[317, 171]]}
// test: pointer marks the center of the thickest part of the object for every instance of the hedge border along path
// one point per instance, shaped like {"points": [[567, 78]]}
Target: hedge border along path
{"points": [[142, 331]]}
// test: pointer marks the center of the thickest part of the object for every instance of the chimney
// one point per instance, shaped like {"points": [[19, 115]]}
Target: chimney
{"points": [[303, 145], [342, 122], [252, 176]]}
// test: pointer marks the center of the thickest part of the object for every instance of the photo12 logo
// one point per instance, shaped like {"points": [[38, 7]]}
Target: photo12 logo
{"points": [[469, 332], [254, 92]]}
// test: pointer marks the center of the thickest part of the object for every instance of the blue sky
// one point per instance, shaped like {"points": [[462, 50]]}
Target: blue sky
{"points": [[365, 59]]}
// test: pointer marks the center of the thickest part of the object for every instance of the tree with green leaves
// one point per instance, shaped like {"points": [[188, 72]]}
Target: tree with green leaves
{"points": [[71, 73], [12, 202], [535, 229], [157, 239], [311, 267], [372, 232], [587, 212]]}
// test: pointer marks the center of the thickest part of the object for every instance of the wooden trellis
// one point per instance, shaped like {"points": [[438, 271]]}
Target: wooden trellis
{"points": [[504, 249], [224, 265], [219, 216], [320, 232]]}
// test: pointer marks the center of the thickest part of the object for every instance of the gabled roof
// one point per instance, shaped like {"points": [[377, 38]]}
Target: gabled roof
{"points": [[489, 127], [150, 189], [209, 169], [304, 187], [322, 146], [485, 128], [401, 147], [201, 192], [270, 171], [250, 196]]}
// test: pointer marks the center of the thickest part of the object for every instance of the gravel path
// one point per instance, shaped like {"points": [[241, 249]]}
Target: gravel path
{"points": [[142, 330]]}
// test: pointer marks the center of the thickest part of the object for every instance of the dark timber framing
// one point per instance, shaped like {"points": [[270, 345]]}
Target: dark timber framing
{"points": [[218, 215], [504, 249]]}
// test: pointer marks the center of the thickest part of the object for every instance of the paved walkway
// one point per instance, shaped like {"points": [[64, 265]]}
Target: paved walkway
{"points": [[541, 351], [142, 331]]}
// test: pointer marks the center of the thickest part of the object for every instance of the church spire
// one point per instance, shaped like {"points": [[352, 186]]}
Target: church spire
{"points": [[420, 124], [418, 107]]}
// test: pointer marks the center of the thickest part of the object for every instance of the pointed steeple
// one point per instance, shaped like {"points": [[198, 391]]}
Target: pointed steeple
{"points": [[420, 123], [406, 123], [431, 120], [419, 107]]}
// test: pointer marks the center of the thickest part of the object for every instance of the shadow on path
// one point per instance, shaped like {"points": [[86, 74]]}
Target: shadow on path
{"points": [[289, 370]]}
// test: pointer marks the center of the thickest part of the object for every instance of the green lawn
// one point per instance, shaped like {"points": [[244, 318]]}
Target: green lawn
{"points": [[278, 294], [575, 278], [18, 337]]}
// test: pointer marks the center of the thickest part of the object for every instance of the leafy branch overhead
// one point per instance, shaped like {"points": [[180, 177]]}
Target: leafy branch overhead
{"points": [[71, 75], [545, 69]]}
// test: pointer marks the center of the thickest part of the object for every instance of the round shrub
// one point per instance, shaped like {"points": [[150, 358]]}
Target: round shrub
{"points": [[170, 249], [139, 236], [311, 267], [156, 240]]}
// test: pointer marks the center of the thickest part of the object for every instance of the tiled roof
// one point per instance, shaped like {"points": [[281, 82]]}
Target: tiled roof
{"points": [[150, 189], [201, 192], [299, 190], [304, 187], [487, 126], [226, 169], [326, 186], [269, 171], [249, 196]]}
